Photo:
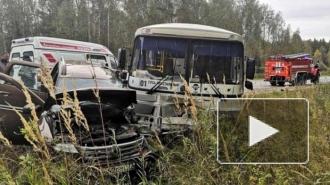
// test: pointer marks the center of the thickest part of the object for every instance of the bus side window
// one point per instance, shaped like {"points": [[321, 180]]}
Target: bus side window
{"points": [[28, 56], [15, 56]]}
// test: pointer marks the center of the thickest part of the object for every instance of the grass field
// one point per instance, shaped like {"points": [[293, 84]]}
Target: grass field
{"points": [[193, 162], [259, 76], [325, 73], [190, 161]]}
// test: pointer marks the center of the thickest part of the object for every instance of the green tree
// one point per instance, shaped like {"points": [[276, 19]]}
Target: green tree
{"points": [[297, 45], [83, 21], [223, 14], [317, 56], [328, 57], [113, 22], [190, 11]]}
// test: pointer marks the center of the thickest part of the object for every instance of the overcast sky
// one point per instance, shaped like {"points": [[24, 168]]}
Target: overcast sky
{"points": [[311, 17]]}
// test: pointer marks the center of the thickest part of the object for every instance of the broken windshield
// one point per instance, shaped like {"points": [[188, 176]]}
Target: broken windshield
{"points": [[218, 62], [160, 56], [190, 58]]}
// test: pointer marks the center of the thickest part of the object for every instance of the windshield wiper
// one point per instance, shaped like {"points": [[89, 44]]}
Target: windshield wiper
{"points": [[157, 85], [217, 92]]}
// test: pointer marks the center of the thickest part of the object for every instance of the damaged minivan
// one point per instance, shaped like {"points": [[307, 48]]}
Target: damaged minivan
{"points": [[106, 132]]}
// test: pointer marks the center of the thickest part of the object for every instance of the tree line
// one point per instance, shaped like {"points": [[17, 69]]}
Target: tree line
{"points": [[113, 22]]}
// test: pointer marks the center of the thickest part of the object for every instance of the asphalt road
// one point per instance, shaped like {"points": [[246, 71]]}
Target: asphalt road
{"points": [[260, 84]]}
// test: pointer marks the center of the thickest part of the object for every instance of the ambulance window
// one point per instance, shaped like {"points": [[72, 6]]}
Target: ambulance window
{"points": [[97, 59], [28, 53], [72, 58], [27, 56], [15, 55]]}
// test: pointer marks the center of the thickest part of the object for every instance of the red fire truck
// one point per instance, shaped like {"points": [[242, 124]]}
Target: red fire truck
{"points": [[295, 69]]}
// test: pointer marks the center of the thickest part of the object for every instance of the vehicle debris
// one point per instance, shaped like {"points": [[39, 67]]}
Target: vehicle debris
{"points": [[111, 137]]}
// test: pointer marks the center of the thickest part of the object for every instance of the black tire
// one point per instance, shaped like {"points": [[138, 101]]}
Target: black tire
{"points": [[152, 167], [273, 83], [281, 83], [316, 79], [299, 80], [147, 169], [304, 79]]}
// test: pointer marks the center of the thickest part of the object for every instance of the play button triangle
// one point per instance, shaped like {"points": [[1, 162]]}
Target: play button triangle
{"points": [[259, 131]]}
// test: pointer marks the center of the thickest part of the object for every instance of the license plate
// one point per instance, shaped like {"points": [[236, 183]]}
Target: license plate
{"points": [[121, 168]]}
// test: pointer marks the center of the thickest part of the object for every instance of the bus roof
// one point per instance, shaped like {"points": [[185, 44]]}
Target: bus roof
{"points": [[188, 30], [61, 44]]}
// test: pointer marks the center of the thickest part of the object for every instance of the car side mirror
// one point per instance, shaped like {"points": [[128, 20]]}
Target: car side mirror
{"points": [[250, 68], [249, 85], [122, 58], [123, 76]]}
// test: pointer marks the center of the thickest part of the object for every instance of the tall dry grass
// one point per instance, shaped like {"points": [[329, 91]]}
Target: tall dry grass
{"points": [[40, 166], [194, 162]]}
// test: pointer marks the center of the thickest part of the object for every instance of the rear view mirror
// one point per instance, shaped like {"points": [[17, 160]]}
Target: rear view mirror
{"points": [[124, 75], [122, 58], [250, 68], [249, 85]]}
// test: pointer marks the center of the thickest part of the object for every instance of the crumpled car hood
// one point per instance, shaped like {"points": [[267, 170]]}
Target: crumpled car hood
{"points": [[120, 97]]}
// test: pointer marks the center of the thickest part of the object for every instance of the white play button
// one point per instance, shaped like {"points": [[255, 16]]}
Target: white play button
{"points": [[259, 131]]}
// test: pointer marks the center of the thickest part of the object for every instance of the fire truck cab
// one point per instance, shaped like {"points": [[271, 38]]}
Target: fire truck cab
{"points": [[295, 69]]}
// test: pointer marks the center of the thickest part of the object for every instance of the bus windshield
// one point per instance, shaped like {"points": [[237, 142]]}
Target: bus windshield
{"points": [[201, 60]]}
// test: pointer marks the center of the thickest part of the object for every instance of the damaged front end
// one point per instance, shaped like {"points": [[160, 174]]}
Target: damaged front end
{"points": [[169, 117], [111, 138]]}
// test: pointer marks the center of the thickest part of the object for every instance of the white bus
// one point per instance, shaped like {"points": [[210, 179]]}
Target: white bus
{"points": [[211, 60], [53, 49]]}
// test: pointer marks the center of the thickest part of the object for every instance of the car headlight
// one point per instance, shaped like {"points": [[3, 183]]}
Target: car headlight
{"points": [[66, 147]]}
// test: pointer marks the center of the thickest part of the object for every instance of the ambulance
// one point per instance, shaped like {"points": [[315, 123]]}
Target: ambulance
{"points": [[52, 50]]}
